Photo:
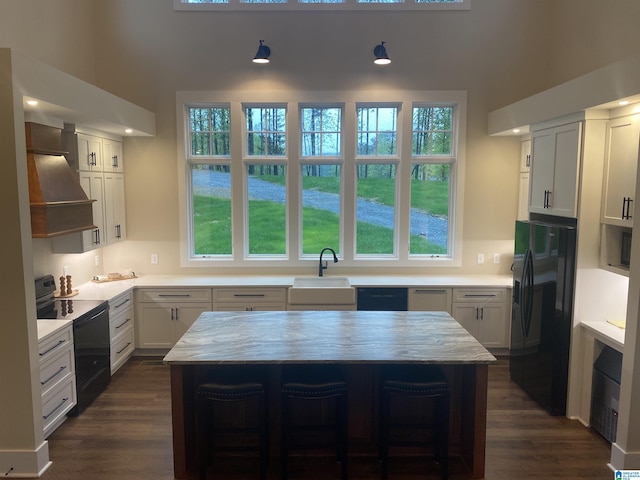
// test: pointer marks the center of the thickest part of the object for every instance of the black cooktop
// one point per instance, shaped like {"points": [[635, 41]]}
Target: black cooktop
{"points": [[69, 309]]}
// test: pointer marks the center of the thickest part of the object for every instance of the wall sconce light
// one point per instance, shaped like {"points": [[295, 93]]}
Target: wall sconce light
{"points": [[262, 55], [380, 53]]}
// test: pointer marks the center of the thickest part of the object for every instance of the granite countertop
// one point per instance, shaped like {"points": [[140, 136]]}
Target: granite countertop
{"points": [[109, 290], [327, 337], [606, 333], [47, 328]]}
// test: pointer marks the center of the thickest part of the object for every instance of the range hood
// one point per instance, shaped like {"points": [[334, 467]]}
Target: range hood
{"points": [[58, 203]]}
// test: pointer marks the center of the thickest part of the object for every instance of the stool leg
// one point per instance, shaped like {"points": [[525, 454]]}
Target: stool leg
{"points": [[263, 436], [384, 435], [343, 433], [443, 408], [201, 436], [284, 435]]}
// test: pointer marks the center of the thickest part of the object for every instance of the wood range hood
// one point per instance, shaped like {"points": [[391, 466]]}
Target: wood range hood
{"points": [[58, 203]]}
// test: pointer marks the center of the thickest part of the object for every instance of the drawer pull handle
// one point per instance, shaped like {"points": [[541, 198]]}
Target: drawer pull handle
{"points": [[62, 369], [60, 342], [248, 295], [123, 303], [123, 348], [430, 291], [480, 295], [175, 295], [64, 400], [124, 323]]}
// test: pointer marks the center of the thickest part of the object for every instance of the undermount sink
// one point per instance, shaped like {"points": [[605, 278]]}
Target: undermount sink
{"points": [[322, 291]]}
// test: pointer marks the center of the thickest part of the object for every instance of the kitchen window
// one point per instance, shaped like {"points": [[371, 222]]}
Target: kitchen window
{"points": [[270, 181]]}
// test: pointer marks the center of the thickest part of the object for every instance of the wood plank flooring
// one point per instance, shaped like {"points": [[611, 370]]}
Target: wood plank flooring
{"points": [[126, 434]]}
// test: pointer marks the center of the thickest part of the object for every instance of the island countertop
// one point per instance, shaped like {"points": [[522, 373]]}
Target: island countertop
{"points": [[327, 337]]}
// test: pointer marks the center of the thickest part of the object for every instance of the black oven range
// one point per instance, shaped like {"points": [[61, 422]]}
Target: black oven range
{"points": [[90, 338]]}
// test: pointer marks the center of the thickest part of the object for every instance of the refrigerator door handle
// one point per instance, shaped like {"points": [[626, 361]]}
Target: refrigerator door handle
{"points": [[528, 303]]}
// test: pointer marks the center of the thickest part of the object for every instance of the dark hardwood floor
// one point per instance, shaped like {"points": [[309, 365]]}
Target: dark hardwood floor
{"points": [[126, 434]]}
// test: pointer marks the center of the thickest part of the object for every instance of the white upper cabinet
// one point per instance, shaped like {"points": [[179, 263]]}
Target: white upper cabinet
{"points": [[621, 160], [555, 160], [89, 153], [112, 156]]}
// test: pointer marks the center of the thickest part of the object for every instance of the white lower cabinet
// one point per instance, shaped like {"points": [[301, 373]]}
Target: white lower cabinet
{"points": [[430, 299], [57, 378], [249, 299], [484, 313], [163, 315], [121, 329]]}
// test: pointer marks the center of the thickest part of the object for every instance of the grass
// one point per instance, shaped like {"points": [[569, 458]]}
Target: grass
{"points": [[212, 230]]}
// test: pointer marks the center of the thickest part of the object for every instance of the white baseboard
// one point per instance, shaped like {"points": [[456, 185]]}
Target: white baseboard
{"points": [[621, 460], [25, 463]]}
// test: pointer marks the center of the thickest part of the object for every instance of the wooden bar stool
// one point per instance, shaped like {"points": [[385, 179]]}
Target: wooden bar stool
{"points": [[212, 398], [417, 382], [322, 386]]}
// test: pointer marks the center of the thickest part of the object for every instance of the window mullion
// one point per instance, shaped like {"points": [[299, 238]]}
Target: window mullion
{"points": [[403, 194], [349, 191], [238, 205]]}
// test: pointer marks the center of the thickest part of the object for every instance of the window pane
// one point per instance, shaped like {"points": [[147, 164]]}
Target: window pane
{"points": [[432, 131], [266, 216], [320, 208], [377, 130], [210, 131], [375, 209], [266, 131], [430, 190], [321, 131], [211, 188]]}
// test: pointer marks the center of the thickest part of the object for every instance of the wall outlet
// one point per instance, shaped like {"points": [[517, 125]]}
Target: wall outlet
{"points": [[481, 258], [96, 260], [496, 258], [154, 258]]}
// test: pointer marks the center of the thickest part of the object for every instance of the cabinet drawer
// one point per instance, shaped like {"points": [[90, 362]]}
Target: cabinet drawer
{"points": [[174, 295], [51, 347], [122, 349], [249, 295], [57, 403], [120, 304], [480, 295], [57, 370], [120, 323]]}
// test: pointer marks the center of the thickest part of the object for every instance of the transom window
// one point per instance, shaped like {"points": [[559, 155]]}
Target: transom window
{"points": [[375, 181]]}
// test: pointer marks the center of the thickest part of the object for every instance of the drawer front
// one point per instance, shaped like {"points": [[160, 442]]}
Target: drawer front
{"points": [[249, 295], [120, 304], [120, 323], [480, 295], [122, 349], [57, 370], [54, 345], [174, 295], [56, 405]]}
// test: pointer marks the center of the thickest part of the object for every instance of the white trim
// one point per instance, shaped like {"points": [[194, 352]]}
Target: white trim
{"points": [[349, 99], [347, 5], [25, 463]]}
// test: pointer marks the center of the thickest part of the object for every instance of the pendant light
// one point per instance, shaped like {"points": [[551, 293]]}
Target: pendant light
{"points": [[262, 55], [380, 53]]}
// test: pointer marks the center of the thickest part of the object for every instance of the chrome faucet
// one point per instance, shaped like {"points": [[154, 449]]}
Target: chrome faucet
{"points": [[326, 264]]}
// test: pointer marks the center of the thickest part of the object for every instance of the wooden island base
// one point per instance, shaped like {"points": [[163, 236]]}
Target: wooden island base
{"points": [[361, 342]]}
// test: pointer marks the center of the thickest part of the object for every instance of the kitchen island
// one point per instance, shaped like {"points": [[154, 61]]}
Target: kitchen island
{"points": [[362, 341]]}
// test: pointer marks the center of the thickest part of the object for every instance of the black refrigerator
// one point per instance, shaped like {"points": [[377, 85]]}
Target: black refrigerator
{"points": [[541, 320]]}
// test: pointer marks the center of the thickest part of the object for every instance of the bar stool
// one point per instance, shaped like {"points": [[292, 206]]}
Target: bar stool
{"points": [[419, 382], [323, 385], [212, 396]]}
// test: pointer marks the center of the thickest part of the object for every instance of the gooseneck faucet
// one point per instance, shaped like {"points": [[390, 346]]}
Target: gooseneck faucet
{"points": [[326, 264]]}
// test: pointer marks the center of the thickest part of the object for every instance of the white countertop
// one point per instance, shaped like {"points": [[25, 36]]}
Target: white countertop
{"points": [[47, 328], [606, 333], [109, 290]]}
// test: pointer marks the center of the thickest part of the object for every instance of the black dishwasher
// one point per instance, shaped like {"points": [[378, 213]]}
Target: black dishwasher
{"points": [[382, 299]]}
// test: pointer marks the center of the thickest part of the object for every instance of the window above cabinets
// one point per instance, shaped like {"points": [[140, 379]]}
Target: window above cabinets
{"points": [[266, 182]]}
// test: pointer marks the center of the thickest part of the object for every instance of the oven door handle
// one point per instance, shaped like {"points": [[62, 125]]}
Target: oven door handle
{"points": [[84, 321]]}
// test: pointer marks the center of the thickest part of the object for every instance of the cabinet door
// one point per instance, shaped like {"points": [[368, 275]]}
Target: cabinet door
{"points": [[430, 299], [465, 315], [112, 153], [492, 322], [523, 197], [89, 153], [115, 221], [623, 138], [564, 198], [543, 144], [184, 314], [155, 327], [525, 156]]}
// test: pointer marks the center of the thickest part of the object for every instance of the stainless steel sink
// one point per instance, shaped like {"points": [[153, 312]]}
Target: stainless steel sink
{"points": [[322, 291]]}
